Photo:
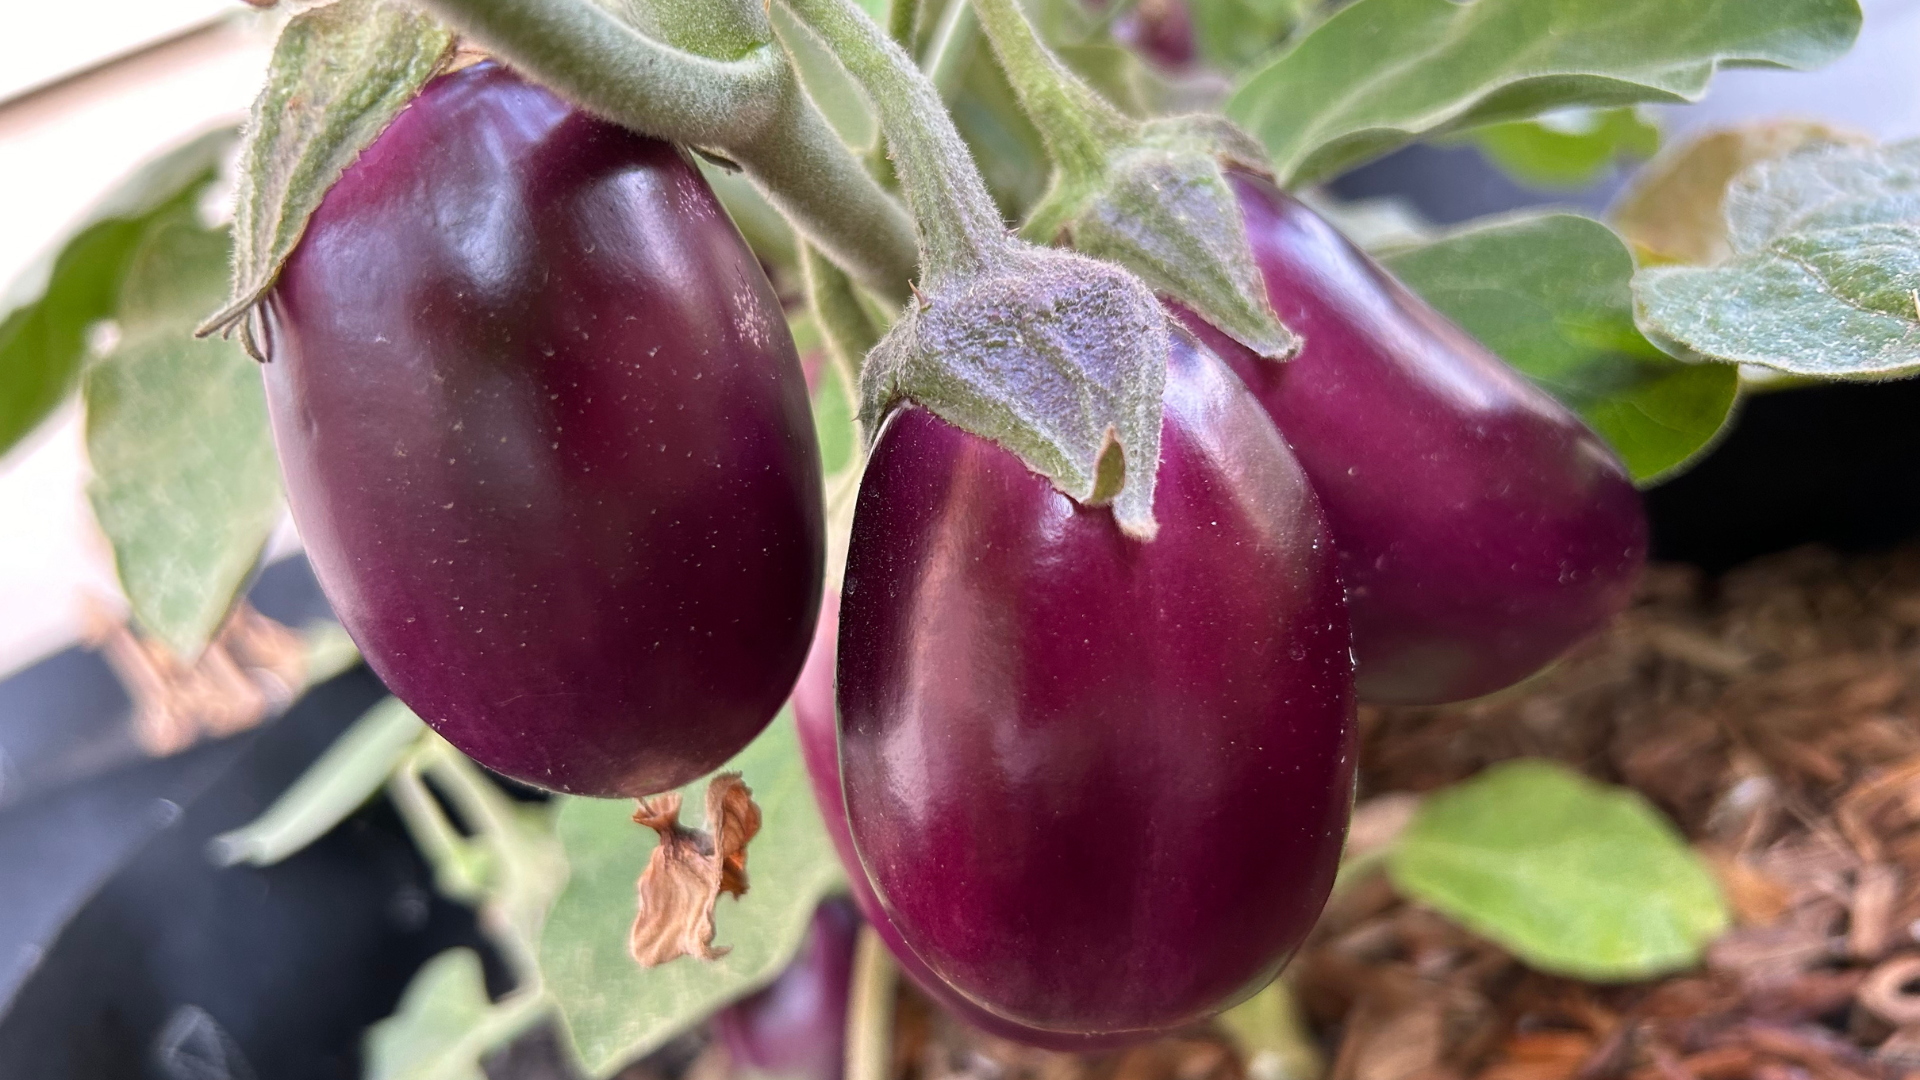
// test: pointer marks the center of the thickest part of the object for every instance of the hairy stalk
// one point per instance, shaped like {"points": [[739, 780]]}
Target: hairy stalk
{"points": [[1079, 127], [958, 226], [746, 105], [723, 29], [903, 22]]}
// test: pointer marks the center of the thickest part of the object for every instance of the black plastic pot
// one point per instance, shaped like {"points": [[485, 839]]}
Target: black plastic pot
{"points": [[125, 953]]}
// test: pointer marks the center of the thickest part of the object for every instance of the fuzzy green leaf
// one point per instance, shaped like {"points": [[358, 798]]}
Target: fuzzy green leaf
{"points": [[1056, 356], [615, 1010], [1824, 278], [186, 485], [1164, 209], [1675, 210], [1550, 294], [340, 74], [1567, 149], [1574, 877], [1381, 73], [46, 313]]}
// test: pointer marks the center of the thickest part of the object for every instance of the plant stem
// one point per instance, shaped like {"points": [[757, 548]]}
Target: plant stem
{"points": [[799, 163], [748, 106], [722, 29], [959, 228], [446, 851], [903, 22], [1078, 126], [947, 53], [870, 1009]]}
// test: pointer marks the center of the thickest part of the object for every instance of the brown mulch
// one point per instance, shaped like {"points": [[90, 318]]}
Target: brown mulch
{"points": [[1774, 713]]}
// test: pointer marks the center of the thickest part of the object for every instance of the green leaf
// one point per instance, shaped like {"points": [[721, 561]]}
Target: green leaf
{"points": [[1231, 34], [1824, 276], [185, 485], [833, 419], [445, 1023], [1550, 294], [446, 1000], [1380, 73], [1567, 149], [1574, 877], [615, 1010], [1235, 33], [1675, 211], [1273, 1035], [340, 73], [46, 313], [351, 771]]}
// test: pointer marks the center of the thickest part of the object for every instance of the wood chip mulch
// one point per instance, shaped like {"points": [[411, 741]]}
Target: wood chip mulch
{"points": [[1774, 714]]}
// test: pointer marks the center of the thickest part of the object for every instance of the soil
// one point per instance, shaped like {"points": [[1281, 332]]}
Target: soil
{"points": [[1774, 714]]}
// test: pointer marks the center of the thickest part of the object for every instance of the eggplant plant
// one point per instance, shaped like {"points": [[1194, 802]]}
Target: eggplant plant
{"points": [[1126, 472]]}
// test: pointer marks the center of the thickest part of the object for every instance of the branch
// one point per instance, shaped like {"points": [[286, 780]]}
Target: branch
{"points": [[749, 108]]}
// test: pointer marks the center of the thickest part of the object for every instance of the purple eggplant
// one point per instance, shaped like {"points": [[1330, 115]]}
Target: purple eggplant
{"points": [[1482, 528], [1099, 785], [796, 1026], [813, 715], [547, 441], [1160, 31]]}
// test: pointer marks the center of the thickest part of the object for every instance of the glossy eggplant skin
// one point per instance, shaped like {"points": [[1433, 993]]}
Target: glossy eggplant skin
{"points": [[547, 441], [813, 716], [1100, 786], [1482, 527], [797, 1025]]}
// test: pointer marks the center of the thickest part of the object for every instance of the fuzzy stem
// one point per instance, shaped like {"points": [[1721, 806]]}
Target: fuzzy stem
{"points": [[1079, 127], [723, 29], [903, 22], [870, 1009], [748, 106], [810, 176], [959, 227]]}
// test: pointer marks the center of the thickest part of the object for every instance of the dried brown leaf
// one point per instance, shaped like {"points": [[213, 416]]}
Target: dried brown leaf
{"points": [[253, 668], [688, 871], [1870, 917], [1757, 899], [1884, 993]]}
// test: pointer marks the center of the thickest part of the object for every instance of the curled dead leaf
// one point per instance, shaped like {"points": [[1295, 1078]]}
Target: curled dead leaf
{"points": [[253, 668], [1887, 994], [689, 870]]}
